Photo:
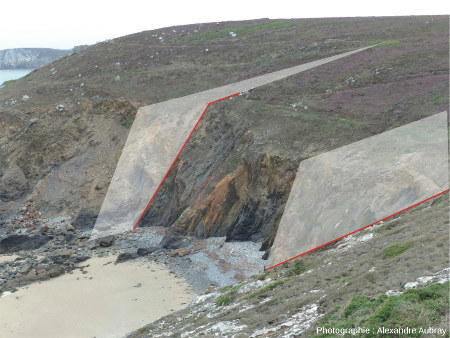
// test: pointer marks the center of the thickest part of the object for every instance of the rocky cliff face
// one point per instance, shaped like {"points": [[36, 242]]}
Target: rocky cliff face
{"points": [[62, 128], [241, 196], [27, 58]]}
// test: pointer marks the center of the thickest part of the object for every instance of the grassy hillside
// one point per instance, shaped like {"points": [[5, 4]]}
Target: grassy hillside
{"points": [[197, 57]]}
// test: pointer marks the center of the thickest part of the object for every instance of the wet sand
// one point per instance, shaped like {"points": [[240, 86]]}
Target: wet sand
{"points": [[107, 301]]}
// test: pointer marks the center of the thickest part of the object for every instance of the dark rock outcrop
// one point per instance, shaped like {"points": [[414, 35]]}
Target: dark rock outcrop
{"points": [[85, 220], [146, 251], [125, 256], [174, 239], [233, 189], [13, 183], [106, 241], [16, 243]]}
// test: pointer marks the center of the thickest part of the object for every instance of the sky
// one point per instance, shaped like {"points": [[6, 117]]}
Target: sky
{"points": [[64, 24]]}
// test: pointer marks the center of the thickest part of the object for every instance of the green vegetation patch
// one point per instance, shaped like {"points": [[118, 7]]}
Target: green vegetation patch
{"points": [[224, 300], [265, 289], [226, 288], [415, 308], [261, 276], [297, 269], [240, 30], [127, 123], [350, 123], [396, 249], [439, 99], [387, 43], [439, 201], [232, 287], [363, 305]]}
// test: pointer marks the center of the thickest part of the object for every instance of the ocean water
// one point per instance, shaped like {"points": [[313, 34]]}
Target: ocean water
{"points": [[6, 75]]}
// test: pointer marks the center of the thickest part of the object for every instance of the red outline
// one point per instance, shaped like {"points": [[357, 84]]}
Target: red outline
{"points": [[320, 246], [367, 226], [167, 173]]}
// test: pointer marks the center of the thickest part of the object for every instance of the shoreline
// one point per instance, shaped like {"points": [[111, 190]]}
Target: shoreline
{"points": [[53, 276], [100, 299]]}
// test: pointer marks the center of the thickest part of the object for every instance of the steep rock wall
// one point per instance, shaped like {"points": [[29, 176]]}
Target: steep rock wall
{"points": [[224, 184]]}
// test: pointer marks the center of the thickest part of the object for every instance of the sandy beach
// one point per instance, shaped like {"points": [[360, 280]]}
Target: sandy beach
{"points": [[101, 300]]}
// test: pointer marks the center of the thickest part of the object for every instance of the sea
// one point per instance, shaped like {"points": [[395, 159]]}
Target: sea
{"points": [[6, 75]]}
